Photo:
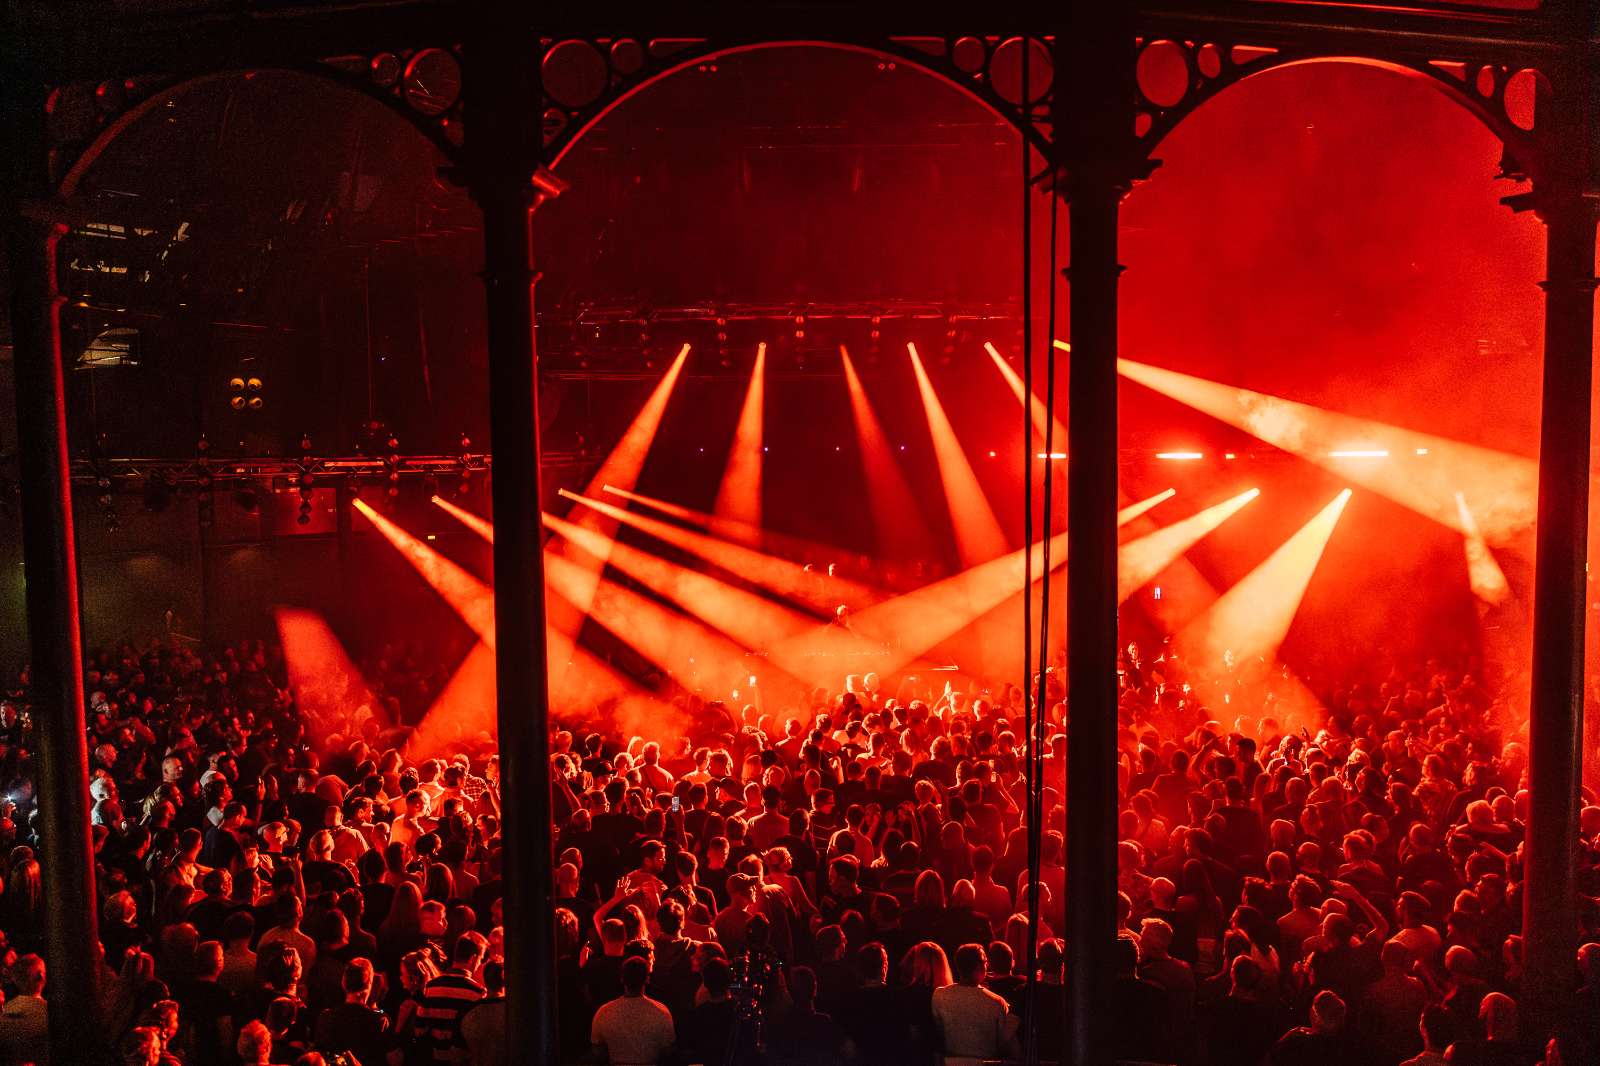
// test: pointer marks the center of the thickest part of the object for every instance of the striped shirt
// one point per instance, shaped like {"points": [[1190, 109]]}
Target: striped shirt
{"points": [[444, 1000]]}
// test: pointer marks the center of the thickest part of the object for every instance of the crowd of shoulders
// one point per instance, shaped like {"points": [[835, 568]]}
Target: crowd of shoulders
{"points": [[845, 879]]}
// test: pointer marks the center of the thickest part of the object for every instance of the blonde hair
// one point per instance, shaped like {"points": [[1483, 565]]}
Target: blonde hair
{"points": [[926, 964]]}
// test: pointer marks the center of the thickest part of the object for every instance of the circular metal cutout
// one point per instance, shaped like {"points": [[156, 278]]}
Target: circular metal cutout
{"points": [[432, 82], [575, 73]]}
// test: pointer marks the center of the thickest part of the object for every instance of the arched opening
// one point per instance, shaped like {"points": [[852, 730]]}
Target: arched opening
{"points": [[989, 71], [1332, 234], [832, 183], [257, 258]]}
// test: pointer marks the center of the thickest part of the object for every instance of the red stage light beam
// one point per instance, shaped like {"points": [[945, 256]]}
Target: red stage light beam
{"points": [[464, 712], [781, 576], [326, 684], [562, 618], [469, 597], [900, 630], [753, 621], [683, 647], [1139, 561], [895, 513], [790, 546], [1134, 510], [1502, 486], [1253, 617], [1484, 575], [978, 533], [464, 708], [1037, 410], [470, 699], [478, 524], [739, 497], [622, 466]]}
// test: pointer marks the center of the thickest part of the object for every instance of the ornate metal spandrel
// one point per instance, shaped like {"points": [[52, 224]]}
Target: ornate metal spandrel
{"points": [[422, 85], [585, 78], [1176, 77]]}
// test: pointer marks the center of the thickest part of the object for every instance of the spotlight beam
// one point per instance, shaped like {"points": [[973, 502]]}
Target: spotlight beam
{"points": [[1140, 560], [793, 546], [753, 621], [680, 645], [479, 525], [902, 629], [1134, 510], [469, 696], [1253, 617], [1037, 410], [739, 497], [622, 465], [1502, 485], [326, 684], [978, 533], [895, 513], [778, 575], [1484, 575], [465, 707], [467, 596]]}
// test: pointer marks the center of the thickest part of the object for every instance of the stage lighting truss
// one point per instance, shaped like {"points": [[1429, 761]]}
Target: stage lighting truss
{"points": [[201, 475], [627, 341]]}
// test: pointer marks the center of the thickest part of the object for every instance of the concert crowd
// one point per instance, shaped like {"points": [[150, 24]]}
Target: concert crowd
{"points": [[840, 880]]}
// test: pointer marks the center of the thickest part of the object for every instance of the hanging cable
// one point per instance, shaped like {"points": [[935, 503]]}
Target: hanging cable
{"points": [[1031, 765], [1041, 714]]}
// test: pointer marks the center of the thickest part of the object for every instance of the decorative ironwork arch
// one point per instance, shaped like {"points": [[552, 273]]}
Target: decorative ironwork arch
{"points": [[88, 118], [585, 79], [1478, 85]]}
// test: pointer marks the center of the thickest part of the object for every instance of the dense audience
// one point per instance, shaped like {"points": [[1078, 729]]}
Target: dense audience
{"points": [[840, 880]]}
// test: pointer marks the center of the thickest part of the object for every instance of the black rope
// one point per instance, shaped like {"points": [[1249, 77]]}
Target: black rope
{"points": [[1041, 709], [1031, 764]]}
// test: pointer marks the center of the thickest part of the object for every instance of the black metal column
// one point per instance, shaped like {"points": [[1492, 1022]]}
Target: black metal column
{"points": [[1550, 901], [1093, 122], [501, 119], [51, 573]]}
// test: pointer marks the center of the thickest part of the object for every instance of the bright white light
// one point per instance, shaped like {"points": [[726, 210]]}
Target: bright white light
{"points": [[1422, 451], [1359, 453], [1180, 455], [1229, 455], [1052, 455]]}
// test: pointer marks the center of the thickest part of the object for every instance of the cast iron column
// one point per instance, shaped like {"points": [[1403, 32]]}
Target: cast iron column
{"points": [[51, 573], [1564, 197], [502, 127], [1095, 166], [1550, 902]]}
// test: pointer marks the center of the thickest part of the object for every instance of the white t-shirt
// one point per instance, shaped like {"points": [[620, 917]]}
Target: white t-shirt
{"points": [[634, 1030]]}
